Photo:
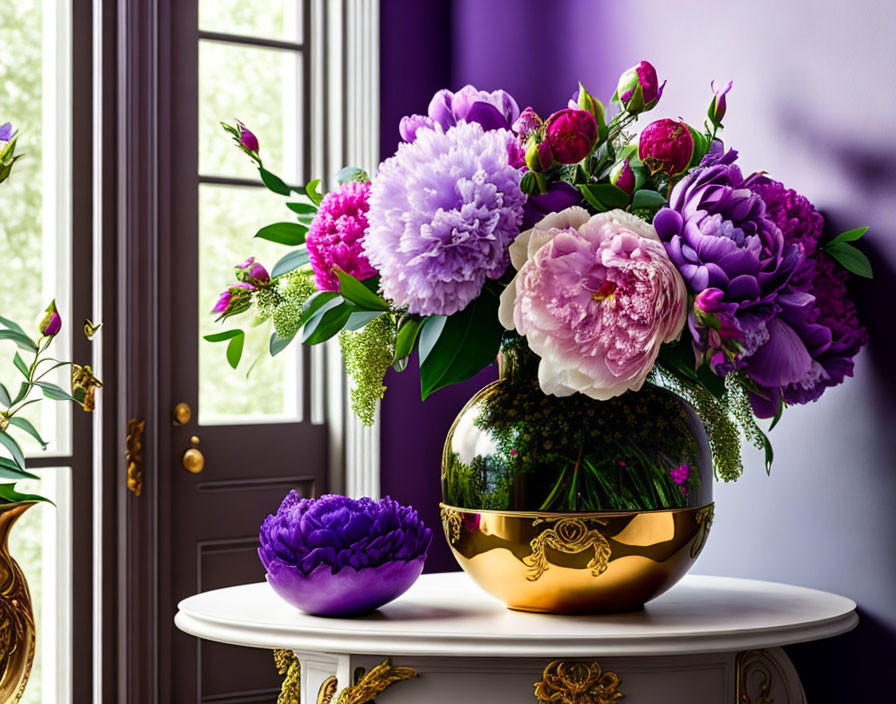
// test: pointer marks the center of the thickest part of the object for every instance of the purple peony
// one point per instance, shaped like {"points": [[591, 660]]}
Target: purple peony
{"points": [[443, 212], [559, 196], [335, 238], [336, 555], [495, 110], [639, 88]]}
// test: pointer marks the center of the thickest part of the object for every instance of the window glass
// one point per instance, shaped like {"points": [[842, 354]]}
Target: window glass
{"points": [[270, 19]]}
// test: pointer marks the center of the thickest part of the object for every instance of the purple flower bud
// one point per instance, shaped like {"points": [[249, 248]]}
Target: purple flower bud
{"points": [[252, 272], [719, 105], [639, 89], [6, 132], [626, 178], [666, 146], [539, 156], [248, 141], [51, 323], [234, 299], [526, 123], [572, 135]]}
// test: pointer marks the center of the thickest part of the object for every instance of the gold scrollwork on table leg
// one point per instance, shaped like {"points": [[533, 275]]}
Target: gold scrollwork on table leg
{"points": [[451, 523], [327, 690], [288, 665], [134, 455], [374, 683], [748, 663], [577, 682], [571, 536]]}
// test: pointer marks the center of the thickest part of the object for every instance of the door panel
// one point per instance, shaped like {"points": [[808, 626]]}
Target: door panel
{"points": [[250, 428]]}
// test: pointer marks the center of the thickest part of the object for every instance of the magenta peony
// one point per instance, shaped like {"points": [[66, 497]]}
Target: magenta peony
{"points": [[335, 239], [595, 298], [571, 134], [666, 146]]}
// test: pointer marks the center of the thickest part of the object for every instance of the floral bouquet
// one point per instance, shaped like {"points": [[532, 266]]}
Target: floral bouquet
{"points": [[621, 258]]}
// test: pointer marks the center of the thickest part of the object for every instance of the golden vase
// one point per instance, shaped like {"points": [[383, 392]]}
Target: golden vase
{"points": [[17, 632]]}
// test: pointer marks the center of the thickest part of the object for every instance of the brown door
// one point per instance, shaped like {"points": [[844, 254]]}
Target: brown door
{"points": [[233, 442]]}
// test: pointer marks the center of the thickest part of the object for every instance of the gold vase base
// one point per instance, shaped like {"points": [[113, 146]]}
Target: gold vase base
{"points": [[576, 562]]}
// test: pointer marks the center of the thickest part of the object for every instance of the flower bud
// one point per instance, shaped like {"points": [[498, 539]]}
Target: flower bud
{"points": [[7, 150], [51, 323], [527, 123], [583, 100], [572, 135], [638, 89], [719, 105], [252, 272], [248, 141], [539, 156], [235, 299], [627, 178], [666, 146]]}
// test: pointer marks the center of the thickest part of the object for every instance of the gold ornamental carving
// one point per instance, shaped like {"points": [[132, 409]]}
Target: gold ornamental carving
{"points": [[327, 690], [288, 665], [17, 631], [375, 683], [577, 682], [752, 667], [134, 455], [571, 536], [451, 524]]}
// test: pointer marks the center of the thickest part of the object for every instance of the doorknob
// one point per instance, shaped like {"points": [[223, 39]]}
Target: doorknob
{"points": [[182, 414], [194, 460]]}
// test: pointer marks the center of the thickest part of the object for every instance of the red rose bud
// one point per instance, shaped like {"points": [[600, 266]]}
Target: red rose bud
{"points": [[539, 156], [719, 104], [248, 141], [572, 135], [626, 178], [639, 89], [527, 123], [666, 146], [51, 323], [252, 272]]}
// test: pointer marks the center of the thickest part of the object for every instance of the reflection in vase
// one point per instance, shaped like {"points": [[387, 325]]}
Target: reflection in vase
{"points": [[17, 631]]}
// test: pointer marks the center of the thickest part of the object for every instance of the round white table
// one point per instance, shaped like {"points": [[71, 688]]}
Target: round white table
{"points": [[709, 639]]}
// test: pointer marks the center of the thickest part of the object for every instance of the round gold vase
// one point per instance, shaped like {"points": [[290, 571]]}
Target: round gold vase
{"points": [[17, 632], [576, 562]]}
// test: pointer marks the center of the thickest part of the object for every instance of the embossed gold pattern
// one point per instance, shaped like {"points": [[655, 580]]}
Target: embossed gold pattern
{"points": [[748, 664], [327, 690], [576, 563], [451, 523], [375, 683], [134, 455], [569, 535], [17, 632], [577, 682], [288, 665]]}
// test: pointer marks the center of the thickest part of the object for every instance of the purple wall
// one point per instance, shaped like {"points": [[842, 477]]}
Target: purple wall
{"points": [[811, 106]]}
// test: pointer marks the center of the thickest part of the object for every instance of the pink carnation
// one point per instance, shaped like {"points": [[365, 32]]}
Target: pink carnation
{"points": [[334, 240], [595, 297]]}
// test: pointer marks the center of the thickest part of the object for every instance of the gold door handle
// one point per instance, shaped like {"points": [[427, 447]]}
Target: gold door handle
{"points": [[194, 460], [182, 414]]}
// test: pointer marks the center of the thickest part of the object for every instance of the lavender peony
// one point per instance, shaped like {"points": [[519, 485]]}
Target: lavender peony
{"points": [[595, 298], [443, 211], [495, 110]]}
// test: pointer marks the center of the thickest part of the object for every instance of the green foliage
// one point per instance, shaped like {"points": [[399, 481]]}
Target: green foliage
{"points": [[295, 288], [288, 233], [368, 354]]}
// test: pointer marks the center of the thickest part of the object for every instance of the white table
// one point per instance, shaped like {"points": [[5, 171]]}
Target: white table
{"points": [[709, 639]]}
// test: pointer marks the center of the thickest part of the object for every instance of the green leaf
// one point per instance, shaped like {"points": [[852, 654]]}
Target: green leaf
{"points": [[430, 333], [407, 336], [359, 319], [769, 452], [851, 259], [352, 173], [23, 392], [312, 193], [848, 236], [327, 322], [610, 195], [23, 341], [19, 364], [25, 424], [469, 341], [645, 198], [235, 349], [273, 182], [9, 470], [8, 493], [222, 336], [592, 199], [778, 414], [5, 398], [11, 325], [290, 262], [278, 344], [318, 302], [354, 291], [288, 233], [302, 208], [10, 444], [53, 392]]}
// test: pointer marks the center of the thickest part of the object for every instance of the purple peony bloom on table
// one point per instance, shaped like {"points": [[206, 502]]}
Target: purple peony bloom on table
{"points": [[443, 211], [337, 556], [335, 238], [495, 110]]}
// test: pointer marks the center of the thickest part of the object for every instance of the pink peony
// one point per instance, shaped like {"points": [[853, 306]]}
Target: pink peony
{"points": [[595, 297], [334, 240], [571, 134], [666, 146]]}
